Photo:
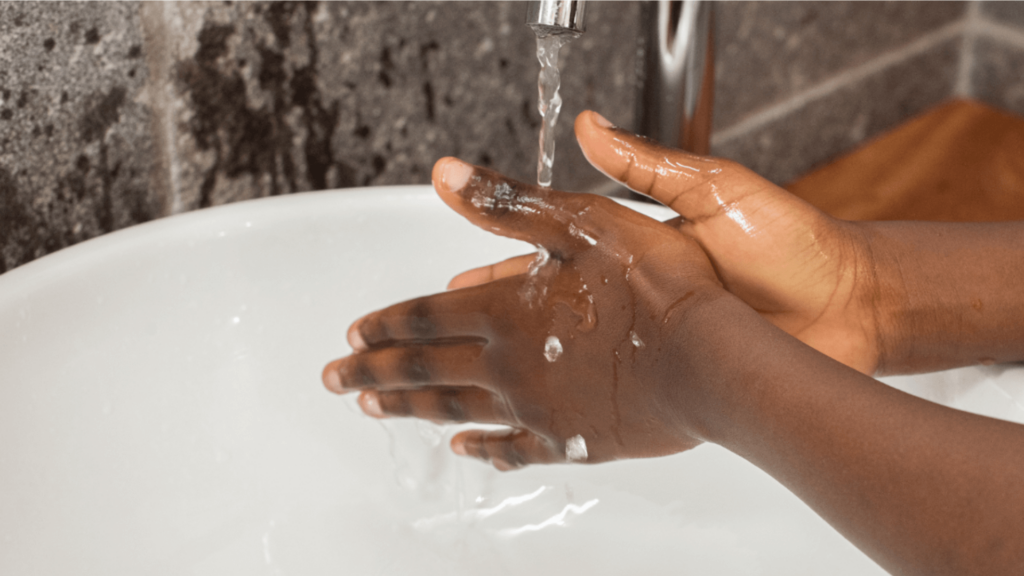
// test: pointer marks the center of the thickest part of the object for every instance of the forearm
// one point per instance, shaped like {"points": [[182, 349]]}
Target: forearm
{"points": [[947, 294], [921, 488]]}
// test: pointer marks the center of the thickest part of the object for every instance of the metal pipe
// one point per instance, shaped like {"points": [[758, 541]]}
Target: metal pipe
{"points": [[675, 88]]}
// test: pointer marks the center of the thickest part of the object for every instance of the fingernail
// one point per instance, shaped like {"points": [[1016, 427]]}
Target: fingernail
{"points": [[602, 121], [332, 380], [355, 338], [455, 174], [459, 447], [369, 401]]}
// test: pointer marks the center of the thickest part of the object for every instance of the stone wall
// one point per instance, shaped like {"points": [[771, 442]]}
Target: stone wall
{"points": [[994, 55], [76, 148], [115, 113]]}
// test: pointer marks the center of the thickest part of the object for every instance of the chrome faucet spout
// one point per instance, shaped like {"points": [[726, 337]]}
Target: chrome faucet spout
{"points": [[676, 69], [556, 16]]}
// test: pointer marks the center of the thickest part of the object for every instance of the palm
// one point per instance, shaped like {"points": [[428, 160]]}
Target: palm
{"points": [[797, 267]]}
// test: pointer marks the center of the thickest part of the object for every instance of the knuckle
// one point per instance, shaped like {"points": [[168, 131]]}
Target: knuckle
{"points": [[357, 374], [478, 448], [396, 403], [372, 330], [725, 165], [449, 407], [414, 363], [511, 454], [421, 324], [494, 195]]}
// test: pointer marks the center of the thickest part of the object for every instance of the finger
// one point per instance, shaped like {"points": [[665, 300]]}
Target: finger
{"points": [[506, 449], [457, 314], [691, 185], [409, 366], [442, 405], [561, 222], [511, 267]]}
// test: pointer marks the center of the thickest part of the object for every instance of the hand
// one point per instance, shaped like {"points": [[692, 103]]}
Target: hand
{"points": [[804, 271], [576, 353]]}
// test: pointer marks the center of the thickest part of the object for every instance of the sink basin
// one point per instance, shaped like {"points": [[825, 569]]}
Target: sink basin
{"points": [[161, 412]]}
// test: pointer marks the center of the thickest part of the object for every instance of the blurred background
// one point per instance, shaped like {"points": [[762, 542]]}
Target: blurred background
{"points": [[115, 113]]}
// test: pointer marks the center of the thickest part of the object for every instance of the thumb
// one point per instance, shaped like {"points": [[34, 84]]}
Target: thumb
{"points": [[694, 186], [562, 222]]}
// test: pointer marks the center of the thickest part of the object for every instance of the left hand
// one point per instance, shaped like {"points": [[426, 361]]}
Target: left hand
{"points": [[584, 344]]}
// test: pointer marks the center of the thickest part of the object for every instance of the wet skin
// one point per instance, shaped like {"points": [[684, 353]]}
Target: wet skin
{"points": [[614, 290], [881, 297], [921, 488]]}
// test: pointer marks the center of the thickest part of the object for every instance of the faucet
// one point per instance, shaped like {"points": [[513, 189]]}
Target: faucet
{"points": [[676, 74], [556, 16], [675, 65]]}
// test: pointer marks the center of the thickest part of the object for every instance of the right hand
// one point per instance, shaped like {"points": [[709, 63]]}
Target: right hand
{"points": [[804, 271]]}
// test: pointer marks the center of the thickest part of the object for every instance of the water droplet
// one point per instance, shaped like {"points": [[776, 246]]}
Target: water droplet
{"points": [[635, 339], [576, 449], [552, 348]]}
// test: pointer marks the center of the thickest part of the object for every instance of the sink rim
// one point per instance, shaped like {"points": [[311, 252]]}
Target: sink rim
{"points": [[71, 258]]}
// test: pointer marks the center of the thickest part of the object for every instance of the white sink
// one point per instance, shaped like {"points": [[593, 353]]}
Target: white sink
{"points": [[161, 412]]}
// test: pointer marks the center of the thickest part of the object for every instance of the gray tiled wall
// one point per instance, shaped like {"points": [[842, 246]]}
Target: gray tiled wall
{"points": [[116, 113], [997, 67], [769, 51], [825, 127]]}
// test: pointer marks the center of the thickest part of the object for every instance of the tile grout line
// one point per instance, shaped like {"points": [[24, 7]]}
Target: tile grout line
{"points": [[171, 129], [837, 82], [964, 87], [1001, 32]]}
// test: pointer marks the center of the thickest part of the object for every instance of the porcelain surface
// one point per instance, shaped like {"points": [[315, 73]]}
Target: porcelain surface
{"points": [[161, 412]]}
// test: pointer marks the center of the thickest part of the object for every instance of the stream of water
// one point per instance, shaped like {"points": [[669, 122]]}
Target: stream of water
{"points": [[549, 102]]}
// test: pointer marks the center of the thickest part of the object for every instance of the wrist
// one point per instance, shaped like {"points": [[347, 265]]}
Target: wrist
{"points": [[718, 345], [946, 294], [886, 296], [880, 296]]}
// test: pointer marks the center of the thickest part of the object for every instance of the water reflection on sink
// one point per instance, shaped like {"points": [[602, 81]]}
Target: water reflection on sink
{"points": [[161, 412]]}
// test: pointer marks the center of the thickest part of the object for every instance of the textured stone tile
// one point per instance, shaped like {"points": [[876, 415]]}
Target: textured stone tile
{"points": [[767, 51], [75, 154], [825, 128], [266, 99], [1004, 12], [998, 74]]}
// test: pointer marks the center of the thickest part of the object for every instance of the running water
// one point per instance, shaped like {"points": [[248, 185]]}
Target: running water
{"points": [[549, 102]]}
